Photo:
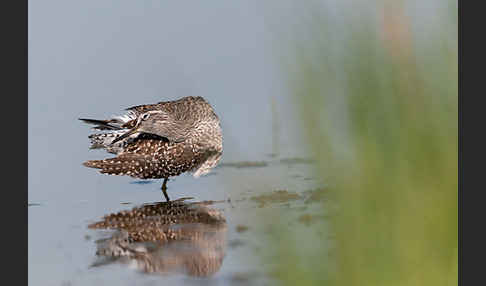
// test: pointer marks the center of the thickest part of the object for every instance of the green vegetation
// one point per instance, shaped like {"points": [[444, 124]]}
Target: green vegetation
{"points": [[379, 105]]}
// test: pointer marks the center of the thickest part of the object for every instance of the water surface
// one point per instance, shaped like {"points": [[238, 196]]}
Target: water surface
{"points": [[95, 58]]}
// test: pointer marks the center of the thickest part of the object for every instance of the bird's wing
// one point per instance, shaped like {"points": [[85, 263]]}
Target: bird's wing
{"points": [[174, 131], [172, 128]]}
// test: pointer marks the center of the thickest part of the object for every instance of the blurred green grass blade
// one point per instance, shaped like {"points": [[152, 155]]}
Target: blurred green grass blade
{"points": [[381, 118]]}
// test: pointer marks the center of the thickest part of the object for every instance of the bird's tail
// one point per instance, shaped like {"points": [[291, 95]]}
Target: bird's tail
{"points": [[127, 164]]}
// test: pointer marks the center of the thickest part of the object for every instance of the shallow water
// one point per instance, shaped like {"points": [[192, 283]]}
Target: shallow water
{"points": [[95, 58], [65, 250]]}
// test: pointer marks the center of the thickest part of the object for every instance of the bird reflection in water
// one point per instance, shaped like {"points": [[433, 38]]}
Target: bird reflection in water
{"points": [[165, 238]]}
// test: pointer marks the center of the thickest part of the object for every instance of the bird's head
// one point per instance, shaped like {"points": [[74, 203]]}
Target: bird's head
{"points": [[146, 123]]}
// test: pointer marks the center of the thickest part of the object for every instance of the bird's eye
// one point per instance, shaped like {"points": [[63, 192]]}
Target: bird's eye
{"points": [[145, 116]]}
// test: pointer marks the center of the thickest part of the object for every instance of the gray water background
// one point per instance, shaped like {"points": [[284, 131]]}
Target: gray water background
{"points": [[95, 58]]}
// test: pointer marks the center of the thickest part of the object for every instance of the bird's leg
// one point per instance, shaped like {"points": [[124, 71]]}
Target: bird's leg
{"points": [[164, 189]]}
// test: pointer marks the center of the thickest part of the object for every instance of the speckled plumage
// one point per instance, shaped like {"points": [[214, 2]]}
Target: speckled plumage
{"points": [[160, 140]]}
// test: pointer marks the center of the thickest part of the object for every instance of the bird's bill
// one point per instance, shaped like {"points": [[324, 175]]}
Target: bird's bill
{"points": [[125, 135]]}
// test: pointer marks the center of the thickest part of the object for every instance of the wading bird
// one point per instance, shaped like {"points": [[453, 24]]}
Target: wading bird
{"points": [[158, 141]]}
